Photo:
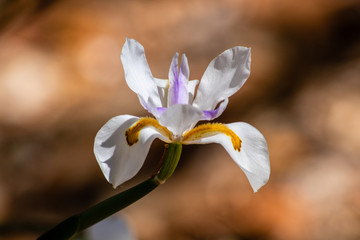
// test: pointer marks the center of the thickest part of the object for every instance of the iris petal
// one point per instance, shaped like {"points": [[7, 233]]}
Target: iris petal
{"points": [[223, 77], [138, 74], [212, 114], [191, 87], [118, 161], [180, 117], [178, 80], [253, 157]]}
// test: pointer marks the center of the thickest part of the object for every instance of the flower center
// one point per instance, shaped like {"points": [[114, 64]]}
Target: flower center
{"points": [[132, 134], [211, 129], [201, 131]]}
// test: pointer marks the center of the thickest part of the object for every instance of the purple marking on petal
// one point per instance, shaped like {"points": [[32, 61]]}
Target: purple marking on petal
{"points": [[160, 110], [178, 93], [208, 115], [150, 106], [212, 114]]}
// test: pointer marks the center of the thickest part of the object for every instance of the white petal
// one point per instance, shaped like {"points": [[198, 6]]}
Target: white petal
{"points": [[138, 74], [223, 77], [212, 114], [178, 80], [163, 85], [253, 157], [184, 68], [174, 68], [191, 89], [180, 117], [118, 161]]}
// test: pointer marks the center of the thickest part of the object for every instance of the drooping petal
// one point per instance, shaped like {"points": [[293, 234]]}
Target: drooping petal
{"points": [[178, 80], [118, 161], [180, 117], [223, 77], [253, 157], [138, 74]]}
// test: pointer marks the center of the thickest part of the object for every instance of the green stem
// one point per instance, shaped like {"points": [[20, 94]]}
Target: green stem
{"points": [[79, 222], [171, 161]]}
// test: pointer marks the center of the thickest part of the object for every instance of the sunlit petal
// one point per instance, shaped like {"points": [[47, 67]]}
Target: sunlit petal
{"points": [[184, 69], [180, 117], [253, 157], [191, 87], [212, 114], [118, 161], [163, 86], [178, 80], [138, 74], [223, 77]]}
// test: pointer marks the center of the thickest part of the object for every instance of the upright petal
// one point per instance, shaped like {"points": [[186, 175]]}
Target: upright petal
{"points": [[118, 161], [163, 86], [184, 69], [178, 80], [191, 87], [223, 77], [253, 157], [180, 117], [138, 74], [174, 68]]}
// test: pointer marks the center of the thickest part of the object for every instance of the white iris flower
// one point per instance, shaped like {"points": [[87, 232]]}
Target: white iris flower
{"points": [[123, 143]]}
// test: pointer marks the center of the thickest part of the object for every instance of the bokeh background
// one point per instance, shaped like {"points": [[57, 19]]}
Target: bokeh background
{"points": [[61, 79]]}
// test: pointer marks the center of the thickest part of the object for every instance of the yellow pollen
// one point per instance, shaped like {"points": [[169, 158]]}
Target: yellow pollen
{"points": [[132, 133], [211, 129]]}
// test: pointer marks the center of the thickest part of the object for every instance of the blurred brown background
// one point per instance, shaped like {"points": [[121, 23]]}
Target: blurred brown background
{"points": [[61, 79]]}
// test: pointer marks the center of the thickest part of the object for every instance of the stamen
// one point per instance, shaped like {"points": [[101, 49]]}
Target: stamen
{"points": [[132, 134], [211, 129]]}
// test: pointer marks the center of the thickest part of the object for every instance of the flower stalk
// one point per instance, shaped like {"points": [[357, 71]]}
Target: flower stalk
{"points": [[79, 222], [172, 157]]}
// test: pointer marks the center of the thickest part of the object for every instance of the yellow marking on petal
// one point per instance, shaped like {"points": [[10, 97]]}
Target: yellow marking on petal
{"points": [[132, 133], [211, 129]]}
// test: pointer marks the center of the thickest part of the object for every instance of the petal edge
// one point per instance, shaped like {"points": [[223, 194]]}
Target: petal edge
{"points": [[138, 75], [118, 161], [253, 157], [228, 72]]}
